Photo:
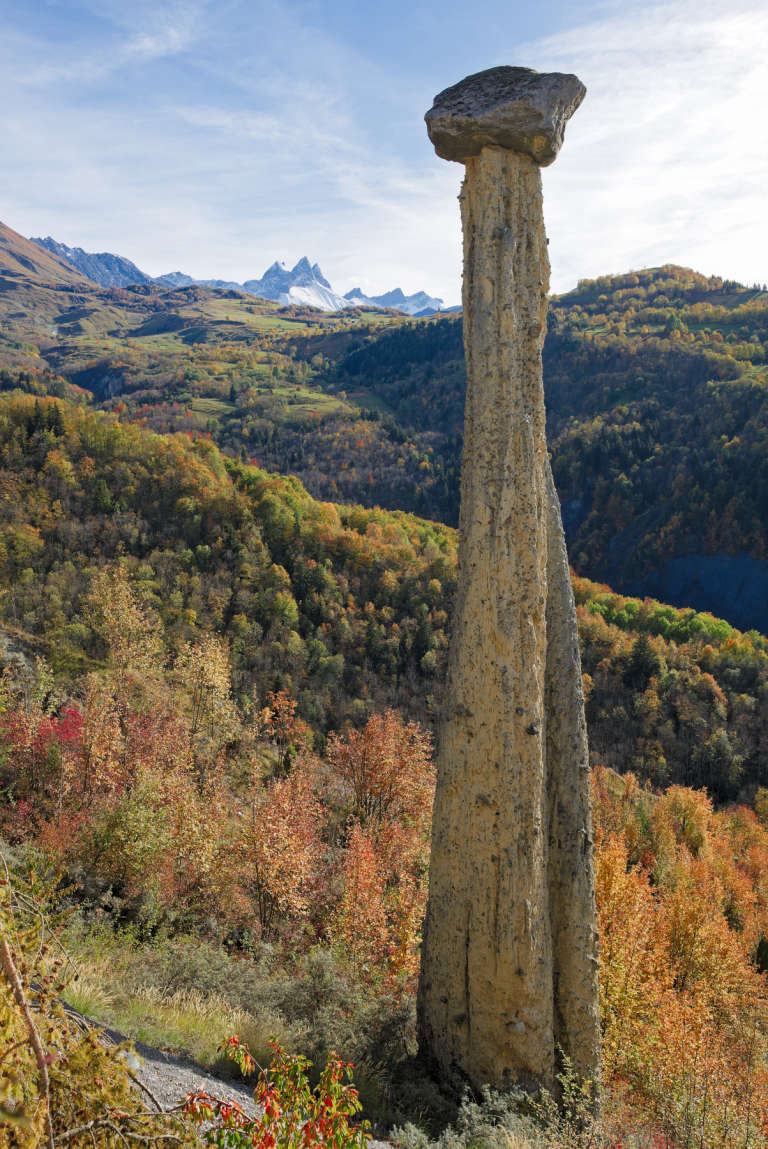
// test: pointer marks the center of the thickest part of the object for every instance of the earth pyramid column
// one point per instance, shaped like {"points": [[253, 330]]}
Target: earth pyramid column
{"points": [[509, 963]]}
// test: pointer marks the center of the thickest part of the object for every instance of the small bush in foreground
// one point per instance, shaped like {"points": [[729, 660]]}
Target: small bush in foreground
{"points": [[292, 1115], [58, 1083]]}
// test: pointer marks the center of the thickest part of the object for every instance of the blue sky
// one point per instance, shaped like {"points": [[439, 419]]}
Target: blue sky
{"points": [[214, 136]]}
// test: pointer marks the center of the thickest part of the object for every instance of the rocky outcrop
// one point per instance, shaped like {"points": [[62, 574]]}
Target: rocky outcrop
{"points": [[509, 966], [512, 108]]}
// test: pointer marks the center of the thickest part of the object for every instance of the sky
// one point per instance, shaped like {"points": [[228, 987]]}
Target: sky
{"points": [[216, 136]]}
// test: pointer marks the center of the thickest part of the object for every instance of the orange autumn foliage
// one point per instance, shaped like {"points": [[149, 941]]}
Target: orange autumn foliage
{"points": [[360, 925], [684, 1007], [387, 767], [278, 848], [387, 775], [194, 814]]}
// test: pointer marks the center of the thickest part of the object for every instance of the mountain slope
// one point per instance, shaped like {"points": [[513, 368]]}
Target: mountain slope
{"points": [[101, 267], [657, 401], [22, 259], [657, 396]]}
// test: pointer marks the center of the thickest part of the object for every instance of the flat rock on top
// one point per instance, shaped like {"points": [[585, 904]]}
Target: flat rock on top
{"points": [[514, 108]]}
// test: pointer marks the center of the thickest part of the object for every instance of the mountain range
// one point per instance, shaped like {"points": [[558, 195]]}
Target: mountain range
{"points": [[302, 285]]}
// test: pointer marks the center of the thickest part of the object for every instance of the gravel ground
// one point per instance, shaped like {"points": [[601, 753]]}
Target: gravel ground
{"points": [[169, 1077]]}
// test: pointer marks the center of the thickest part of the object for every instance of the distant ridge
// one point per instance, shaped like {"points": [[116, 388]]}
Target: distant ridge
{"points": [[102, 267], [305, 284], [418, 304]]}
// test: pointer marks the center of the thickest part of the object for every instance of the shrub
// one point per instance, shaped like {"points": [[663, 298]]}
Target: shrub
{"points": [[59, 1084], [291, 1114]]}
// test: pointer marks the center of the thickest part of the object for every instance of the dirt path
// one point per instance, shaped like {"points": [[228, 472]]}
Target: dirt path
{"points": [[166, 1078], [170, 1077]]}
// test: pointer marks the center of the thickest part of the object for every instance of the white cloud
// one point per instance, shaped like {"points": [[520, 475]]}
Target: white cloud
{"points": [[667, 158]]}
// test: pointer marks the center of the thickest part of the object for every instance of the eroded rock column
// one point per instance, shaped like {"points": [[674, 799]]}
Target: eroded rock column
{"points": [[509, 965]]}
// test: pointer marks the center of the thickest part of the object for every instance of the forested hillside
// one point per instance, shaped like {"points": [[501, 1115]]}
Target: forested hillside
{"points": [[340, 605], [657, 421], [347, 609]]}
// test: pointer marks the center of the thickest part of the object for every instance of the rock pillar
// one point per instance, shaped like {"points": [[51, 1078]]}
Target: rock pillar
{"points": [[509, 963]]}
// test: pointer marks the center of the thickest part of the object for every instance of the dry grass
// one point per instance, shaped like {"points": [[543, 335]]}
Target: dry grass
{"points": [[191, 1022]]}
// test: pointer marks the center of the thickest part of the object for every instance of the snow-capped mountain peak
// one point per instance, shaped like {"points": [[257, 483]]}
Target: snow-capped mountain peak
{"points": [[418, 304], [303, 284]]}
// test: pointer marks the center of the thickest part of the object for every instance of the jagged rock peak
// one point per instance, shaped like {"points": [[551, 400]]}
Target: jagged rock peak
{"points": [[102, 267]]}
